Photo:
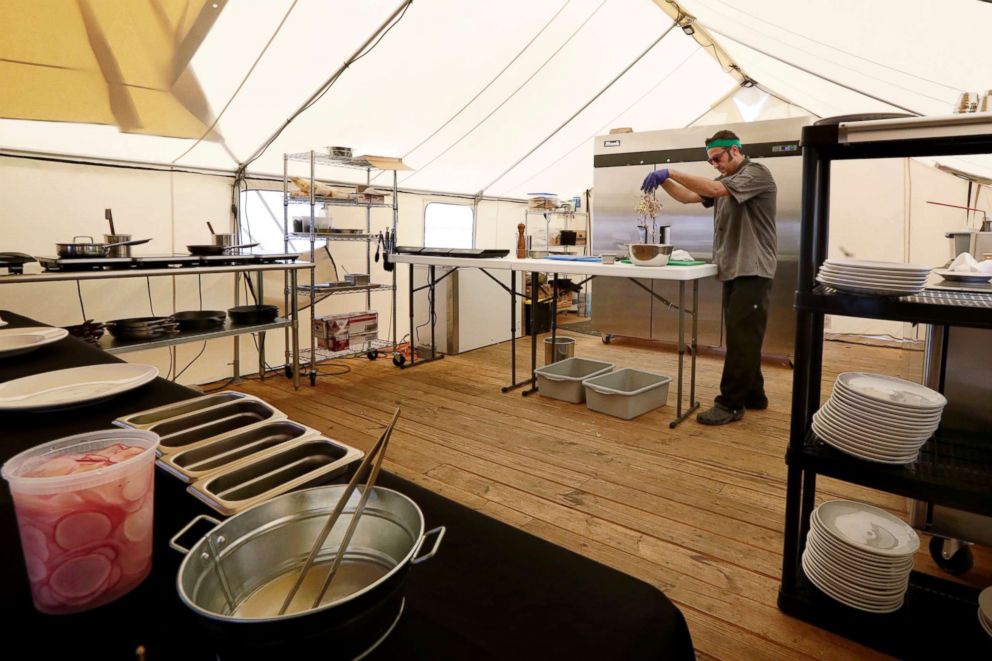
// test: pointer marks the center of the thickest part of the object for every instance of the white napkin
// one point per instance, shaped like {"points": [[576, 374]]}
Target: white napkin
{"points": [[684, 256], [985, 266], [964, 263]]}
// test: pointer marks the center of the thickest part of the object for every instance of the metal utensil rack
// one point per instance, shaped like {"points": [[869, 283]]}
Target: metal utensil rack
{"points": [[312, 291], [954, 468]]}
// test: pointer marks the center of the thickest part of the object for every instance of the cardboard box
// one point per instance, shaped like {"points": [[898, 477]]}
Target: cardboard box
{"points": [[354, 323], [339, 342]]}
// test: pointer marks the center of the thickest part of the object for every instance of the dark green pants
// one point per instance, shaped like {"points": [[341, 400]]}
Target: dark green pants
{"points": [[745, 315]]}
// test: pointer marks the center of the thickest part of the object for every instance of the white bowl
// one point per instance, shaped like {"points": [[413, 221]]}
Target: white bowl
{"points": [[649, 254]]}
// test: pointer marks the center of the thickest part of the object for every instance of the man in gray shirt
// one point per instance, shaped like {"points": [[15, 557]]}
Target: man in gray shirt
{"points": [[744, 198]]}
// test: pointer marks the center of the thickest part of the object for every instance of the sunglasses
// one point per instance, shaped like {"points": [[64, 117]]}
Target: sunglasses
{"points": [[719, 157]]}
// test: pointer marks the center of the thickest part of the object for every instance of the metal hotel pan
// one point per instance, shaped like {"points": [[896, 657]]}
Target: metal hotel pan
{"points": [[227, 450], [304, 463], [183, 431], [147, 418]]}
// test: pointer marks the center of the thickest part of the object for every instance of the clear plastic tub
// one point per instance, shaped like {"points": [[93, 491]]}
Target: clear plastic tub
{"points": [[84, 507], [563, 380], [627, 393]]}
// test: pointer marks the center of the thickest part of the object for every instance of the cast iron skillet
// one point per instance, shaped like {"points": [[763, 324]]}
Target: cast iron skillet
{"points": [[192, 320], [211, 249], [253, 314]]}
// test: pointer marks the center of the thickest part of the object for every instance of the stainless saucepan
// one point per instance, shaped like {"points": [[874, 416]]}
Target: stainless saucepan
{"points": [[79, 249]]}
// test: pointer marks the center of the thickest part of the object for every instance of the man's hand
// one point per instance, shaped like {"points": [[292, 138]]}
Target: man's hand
{"points": [[655, 179]]}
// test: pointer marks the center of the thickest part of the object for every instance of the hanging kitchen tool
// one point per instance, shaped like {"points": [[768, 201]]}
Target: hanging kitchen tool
{"points": [[82, 249], [378, 244], [387, 249], [376, 454], [201, 250]]}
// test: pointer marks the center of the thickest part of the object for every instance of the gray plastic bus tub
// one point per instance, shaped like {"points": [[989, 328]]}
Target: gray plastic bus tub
{"points": [[627, 393], [563, 380]]}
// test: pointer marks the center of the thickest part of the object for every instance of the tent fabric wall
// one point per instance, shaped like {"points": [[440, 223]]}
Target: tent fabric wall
{"points": [[467, 94]]}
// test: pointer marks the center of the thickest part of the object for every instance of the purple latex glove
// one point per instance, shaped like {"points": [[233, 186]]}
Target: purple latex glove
{"points": [[653, 180]]}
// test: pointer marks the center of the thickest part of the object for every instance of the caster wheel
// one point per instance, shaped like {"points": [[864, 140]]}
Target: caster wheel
{"points": [[399, 359], [372, 355], [959, 563], [313, 378], [607, 339]]}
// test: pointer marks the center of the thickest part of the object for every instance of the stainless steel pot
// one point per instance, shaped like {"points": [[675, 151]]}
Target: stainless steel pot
{"points": [[237, 575], [79, 249], [224, 240], [123, 250]]}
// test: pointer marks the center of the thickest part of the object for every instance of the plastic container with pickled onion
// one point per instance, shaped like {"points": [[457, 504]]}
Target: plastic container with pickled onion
{"points": [[84, 508]]}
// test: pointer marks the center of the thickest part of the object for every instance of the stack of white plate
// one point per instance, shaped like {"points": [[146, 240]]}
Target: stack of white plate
{"points": [[985, 609], [873, 278], [877, 417], [860, 555]]}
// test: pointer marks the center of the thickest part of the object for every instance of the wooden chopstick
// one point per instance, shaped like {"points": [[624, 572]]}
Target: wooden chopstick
{"points": [[336, 513]]}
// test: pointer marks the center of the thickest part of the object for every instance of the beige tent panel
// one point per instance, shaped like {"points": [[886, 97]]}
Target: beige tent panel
{"points": [[106, 63]]}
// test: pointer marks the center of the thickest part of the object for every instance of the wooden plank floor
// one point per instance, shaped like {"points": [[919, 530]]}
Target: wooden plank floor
{"points": [[696, 511]]}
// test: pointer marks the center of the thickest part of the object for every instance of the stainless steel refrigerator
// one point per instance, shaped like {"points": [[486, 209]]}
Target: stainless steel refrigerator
{"points": [[622, 161]]}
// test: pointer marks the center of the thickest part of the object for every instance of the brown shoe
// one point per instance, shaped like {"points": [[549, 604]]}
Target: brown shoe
{"points": [[720, 415]]}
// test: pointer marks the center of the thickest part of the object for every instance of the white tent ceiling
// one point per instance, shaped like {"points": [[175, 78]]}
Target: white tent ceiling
{"points": [[504, 97]]}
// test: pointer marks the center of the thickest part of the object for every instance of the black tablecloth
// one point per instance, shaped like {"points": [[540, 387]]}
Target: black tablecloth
{"points": [[492, 591]]}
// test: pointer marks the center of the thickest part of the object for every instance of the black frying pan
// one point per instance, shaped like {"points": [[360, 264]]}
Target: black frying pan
{"points": [[211, 249], [200, 319]]}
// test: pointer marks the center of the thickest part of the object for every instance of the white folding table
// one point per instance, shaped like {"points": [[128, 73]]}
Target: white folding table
{"points": [[682, 274]]}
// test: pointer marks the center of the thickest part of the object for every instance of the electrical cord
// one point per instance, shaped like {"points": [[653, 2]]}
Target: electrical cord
{"points": [[82, 308], [190, 363], [148, 283]]}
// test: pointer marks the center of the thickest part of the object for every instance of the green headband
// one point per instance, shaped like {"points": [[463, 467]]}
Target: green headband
{"points": [[724, 143]]}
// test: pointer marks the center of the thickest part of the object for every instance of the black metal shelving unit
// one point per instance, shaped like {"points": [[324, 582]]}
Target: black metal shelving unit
{"points": [[954, 469]]}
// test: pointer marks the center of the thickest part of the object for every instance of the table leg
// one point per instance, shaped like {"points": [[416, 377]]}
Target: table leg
{"points": [[413, 349], [430, 275], [534, 293], [294, 306], [513, 337], [693, 405], [261, 335]]}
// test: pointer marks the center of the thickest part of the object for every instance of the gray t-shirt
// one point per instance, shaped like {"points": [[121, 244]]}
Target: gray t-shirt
{"points": [[744, 241]]}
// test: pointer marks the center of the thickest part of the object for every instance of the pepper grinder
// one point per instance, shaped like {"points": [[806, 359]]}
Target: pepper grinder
{"points": [[521, 242]]}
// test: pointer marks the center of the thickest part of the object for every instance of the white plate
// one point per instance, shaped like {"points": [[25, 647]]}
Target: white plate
{"points": [[866, 270], [15, 341], [891, 390], [837, 440], [73, 386], [895, 435], [962, 276], [985, 625], [868, 528], [867, 291], [877, 563], [874, 264], [816, 578], [877, 283], [883, 411], [883, 574], [872, 277], [871, 442]]}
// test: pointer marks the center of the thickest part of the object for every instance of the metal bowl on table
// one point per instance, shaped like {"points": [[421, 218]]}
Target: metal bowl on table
{"points": [[649, 254], [236, 577]]}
